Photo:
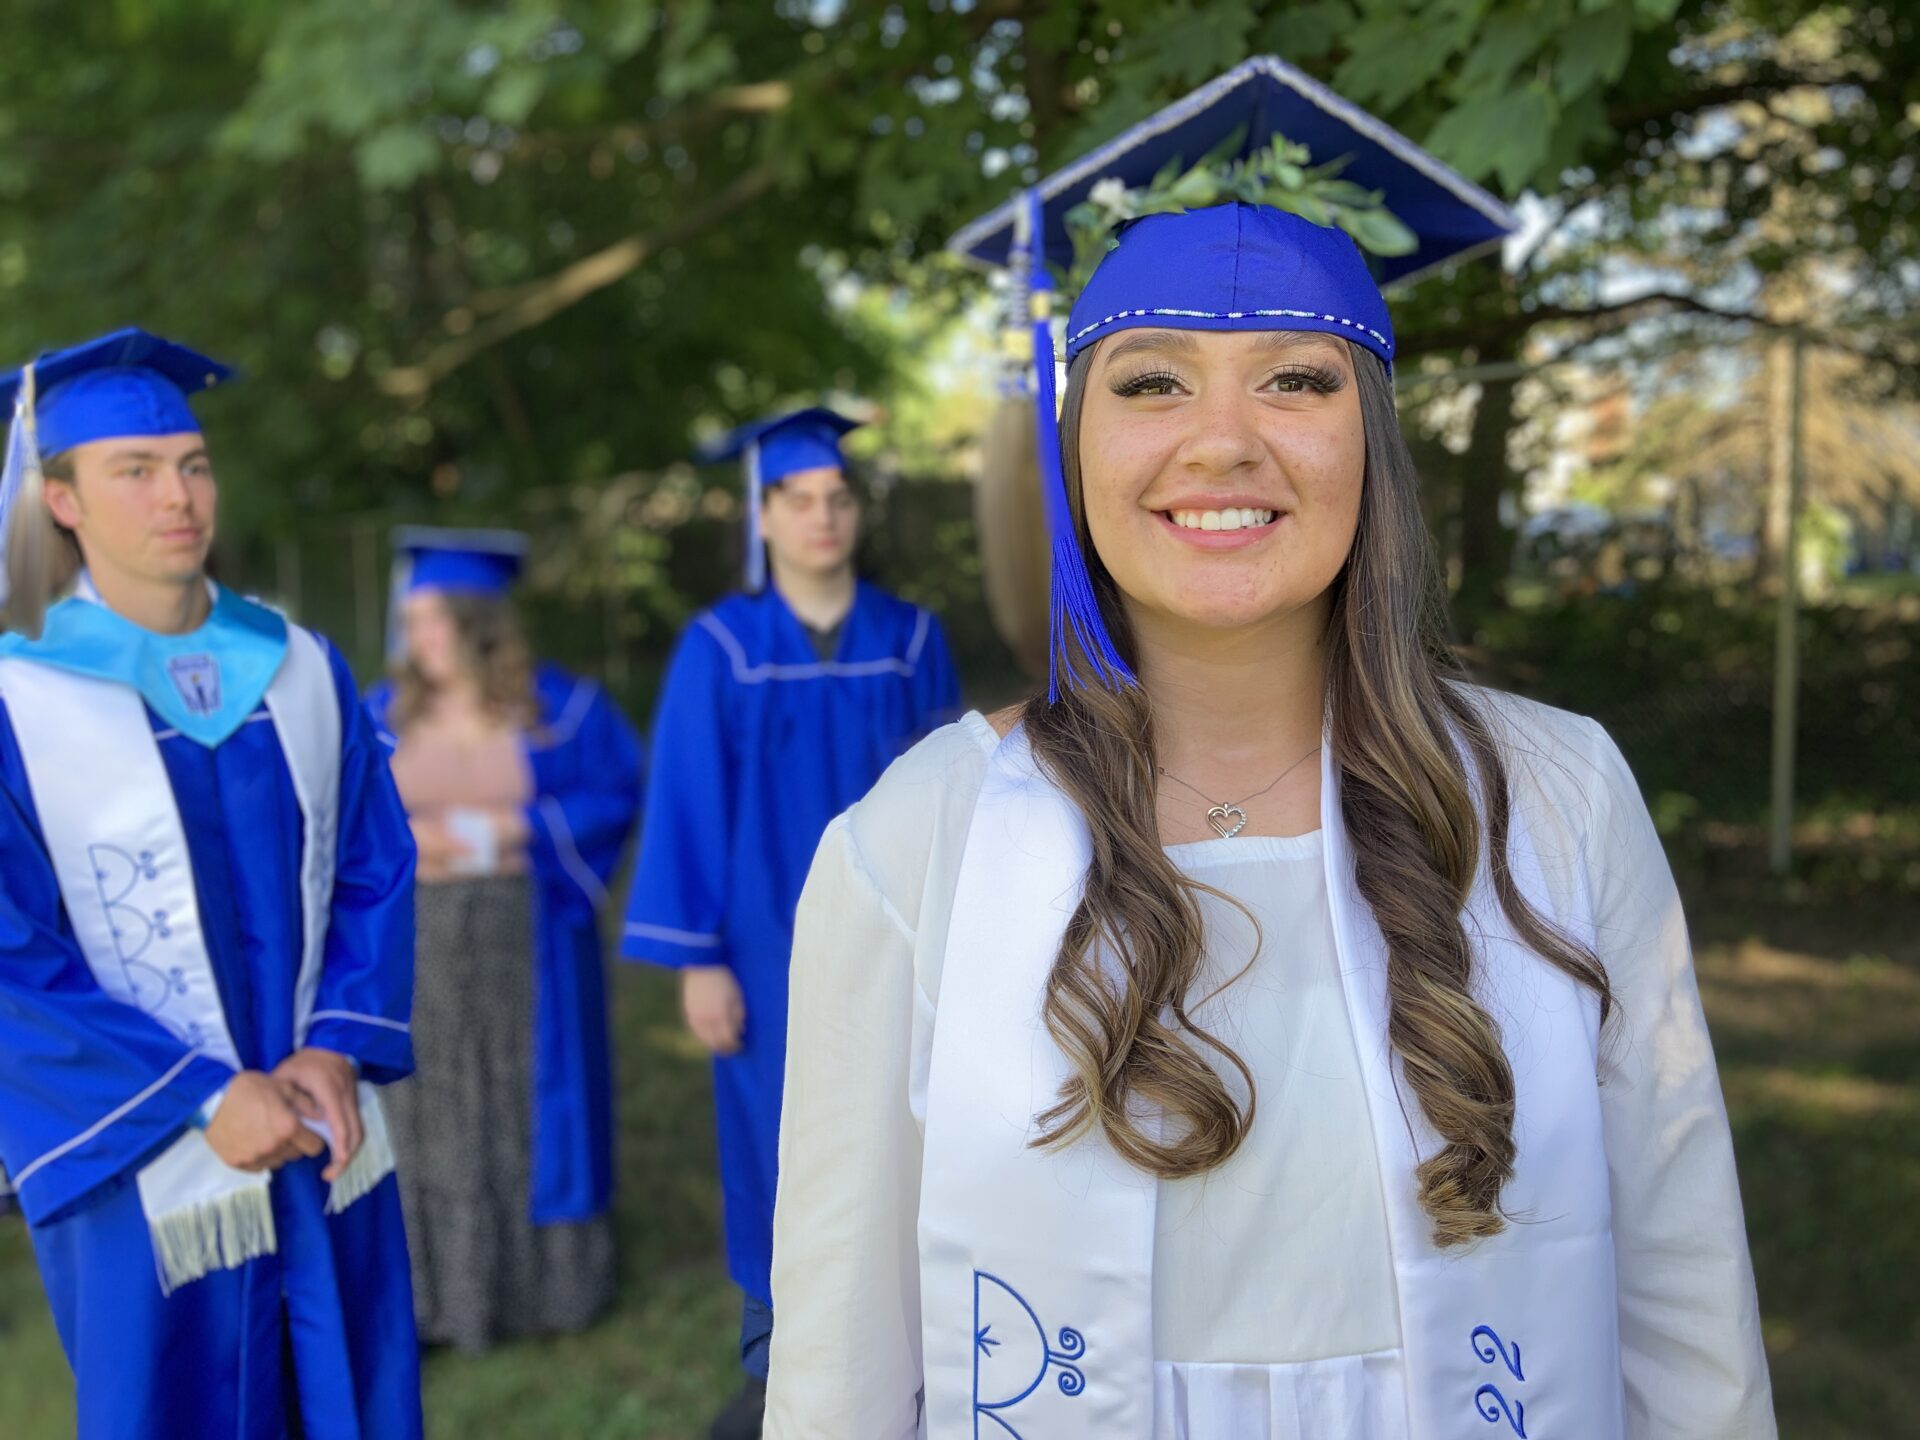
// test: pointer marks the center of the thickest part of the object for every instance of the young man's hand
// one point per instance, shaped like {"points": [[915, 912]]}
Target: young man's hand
{"points": [[716, 1012], [257, 1127], [324, 1087]]}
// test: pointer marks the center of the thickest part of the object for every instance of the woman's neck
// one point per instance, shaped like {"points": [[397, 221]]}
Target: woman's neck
{"points": [[821, 601], [1233, 709], [169, 607]]}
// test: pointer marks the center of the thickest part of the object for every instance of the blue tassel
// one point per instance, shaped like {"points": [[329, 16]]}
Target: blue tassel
{"points": [[1074, 610]]}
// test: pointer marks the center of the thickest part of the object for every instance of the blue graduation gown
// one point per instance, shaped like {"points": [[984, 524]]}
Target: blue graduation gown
{"points": [[757, 745], [77, 1064], [586, 764]]}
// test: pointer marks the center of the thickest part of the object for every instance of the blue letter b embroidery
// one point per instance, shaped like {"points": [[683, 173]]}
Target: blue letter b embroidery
{"points": [[1011, 1354]]}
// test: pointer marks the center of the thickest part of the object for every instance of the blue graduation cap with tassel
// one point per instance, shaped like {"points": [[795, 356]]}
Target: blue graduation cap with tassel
{"points": [[772, 449], [1262, 201], [125, 383]]}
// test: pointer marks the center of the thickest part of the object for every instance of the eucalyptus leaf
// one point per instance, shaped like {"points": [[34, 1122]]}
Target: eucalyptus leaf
{"points": [[1378, 232]]}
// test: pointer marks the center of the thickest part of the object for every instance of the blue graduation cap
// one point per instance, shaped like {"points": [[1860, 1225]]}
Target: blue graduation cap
{"points": [[459, 561], [1219, 266], [477, 562], [127, 383], [771, 450], [1451, 217]]}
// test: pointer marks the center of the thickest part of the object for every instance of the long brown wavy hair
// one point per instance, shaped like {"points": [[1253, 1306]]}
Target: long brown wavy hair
{"points": [[493, 649], [1399, 718]]}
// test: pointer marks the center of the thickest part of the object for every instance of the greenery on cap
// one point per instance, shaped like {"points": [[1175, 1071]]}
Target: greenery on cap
{"points": [[1281, 175]]}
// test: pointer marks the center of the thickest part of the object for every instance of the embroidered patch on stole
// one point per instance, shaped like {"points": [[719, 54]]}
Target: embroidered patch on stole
{"points": [[197, 678]]}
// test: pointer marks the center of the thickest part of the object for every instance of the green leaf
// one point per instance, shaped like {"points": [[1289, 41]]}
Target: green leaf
{"points": [[395, 157], [1306, 32], [1593, 52], [1195, 189], [1301, 203], [1392, 56], [1506, 135], [513, 96], [1508, 42], [1378, 232]]}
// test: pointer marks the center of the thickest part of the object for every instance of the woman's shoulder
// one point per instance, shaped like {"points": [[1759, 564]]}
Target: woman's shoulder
{"points": [[917, 813], [1557, 760]]}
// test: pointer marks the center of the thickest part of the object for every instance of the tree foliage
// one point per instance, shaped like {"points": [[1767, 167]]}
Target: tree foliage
{"points": [[467, 249]]}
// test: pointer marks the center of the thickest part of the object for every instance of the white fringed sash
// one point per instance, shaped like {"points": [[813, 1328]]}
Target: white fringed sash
{"points": [[118, 848], [1037, 1266]]}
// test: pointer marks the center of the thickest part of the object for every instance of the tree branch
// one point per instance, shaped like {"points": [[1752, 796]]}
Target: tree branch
{"points": [[544, 299], [764, 97], [1504, 329], [1758, 86]]}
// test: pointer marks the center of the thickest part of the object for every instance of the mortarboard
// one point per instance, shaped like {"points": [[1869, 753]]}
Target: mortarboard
{"points": [[432, 557], [1219, 262], [127, 383], [1450, 216], [772, 449], [482, 562]]}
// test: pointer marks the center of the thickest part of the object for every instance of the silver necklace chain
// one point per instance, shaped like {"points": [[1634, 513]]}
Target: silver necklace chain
{"points": [[1228, 817]]}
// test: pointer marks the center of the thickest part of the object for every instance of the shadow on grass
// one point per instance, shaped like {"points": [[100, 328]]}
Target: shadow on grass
{"points": [[1817, 1032]]}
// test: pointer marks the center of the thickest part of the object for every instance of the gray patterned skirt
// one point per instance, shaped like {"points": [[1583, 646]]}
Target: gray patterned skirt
{"points": [[463, 1133]]}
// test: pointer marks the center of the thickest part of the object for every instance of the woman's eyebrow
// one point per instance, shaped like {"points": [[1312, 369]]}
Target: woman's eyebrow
{"points": [[1177, 342], [1287, 341]]}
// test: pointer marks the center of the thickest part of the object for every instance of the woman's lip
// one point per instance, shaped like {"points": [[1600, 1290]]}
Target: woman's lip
{"points": [[189, 533], [1222, 539]]}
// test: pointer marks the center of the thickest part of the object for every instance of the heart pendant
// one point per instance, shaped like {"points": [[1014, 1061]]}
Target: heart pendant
{"points": [[1227, 820]]}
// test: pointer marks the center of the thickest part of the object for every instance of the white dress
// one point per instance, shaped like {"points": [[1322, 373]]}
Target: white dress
{"points": [[1275, 1309]]}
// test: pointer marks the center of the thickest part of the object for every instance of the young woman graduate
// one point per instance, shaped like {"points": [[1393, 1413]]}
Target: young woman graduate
{"points": [[1269, 1034], [206, 933], [781, 706], [523, 784]]}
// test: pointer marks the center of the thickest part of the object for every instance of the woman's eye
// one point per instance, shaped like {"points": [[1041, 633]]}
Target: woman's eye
{"points": [[1155, 382], [1305, 382]]}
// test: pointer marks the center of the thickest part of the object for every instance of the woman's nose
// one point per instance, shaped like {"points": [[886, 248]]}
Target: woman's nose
{"points": [[1223, 434]]}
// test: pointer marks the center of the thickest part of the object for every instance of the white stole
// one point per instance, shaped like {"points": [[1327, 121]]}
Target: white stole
{"points": [[1037, 1266], [119, 851]]}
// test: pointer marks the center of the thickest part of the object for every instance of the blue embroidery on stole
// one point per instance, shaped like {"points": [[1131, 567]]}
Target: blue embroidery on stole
{"points": [[116, 875], [1010, 1365], [1488, 1401]]}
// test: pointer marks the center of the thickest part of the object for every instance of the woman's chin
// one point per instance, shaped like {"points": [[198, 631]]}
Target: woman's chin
{"points": [[1228, 613]]}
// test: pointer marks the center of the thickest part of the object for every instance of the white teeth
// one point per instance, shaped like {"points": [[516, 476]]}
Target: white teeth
{"points": [[1232, 518]]}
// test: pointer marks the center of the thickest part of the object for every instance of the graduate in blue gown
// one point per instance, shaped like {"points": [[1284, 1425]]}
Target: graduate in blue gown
{"points": [[206, 933], [781, 707], [523, 784]]}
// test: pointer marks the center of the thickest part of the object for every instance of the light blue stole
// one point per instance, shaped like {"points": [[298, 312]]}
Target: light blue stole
{"points": [[204, 683]]}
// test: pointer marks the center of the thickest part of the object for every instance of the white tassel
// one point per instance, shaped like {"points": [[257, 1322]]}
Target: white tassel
{"points": [[220, 1233], [371, 1163]]}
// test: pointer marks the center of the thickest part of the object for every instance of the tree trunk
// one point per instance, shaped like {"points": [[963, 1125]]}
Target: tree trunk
{"points": [[1486, 475]]}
